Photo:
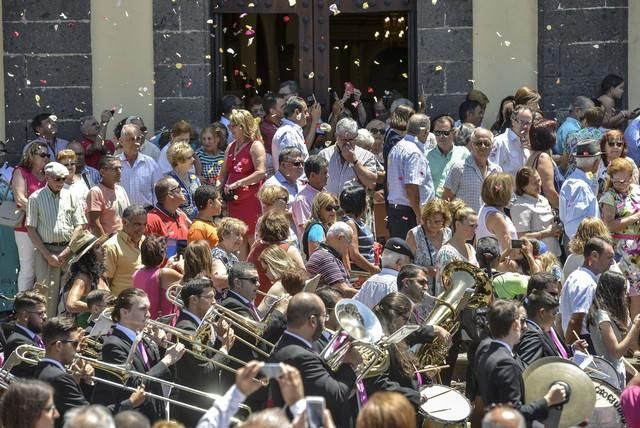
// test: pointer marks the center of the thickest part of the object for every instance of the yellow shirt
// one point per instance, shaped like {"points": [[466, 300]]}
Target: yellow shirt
{"points": [[122, 258], [201, 229]]}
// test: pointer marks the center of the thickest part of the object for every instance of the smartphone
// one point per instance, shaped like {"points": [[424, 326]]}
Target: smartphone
{"points": [[271, 370], [172, 248], [310, 100], [181, 244], [516, 243], [315, 411]]}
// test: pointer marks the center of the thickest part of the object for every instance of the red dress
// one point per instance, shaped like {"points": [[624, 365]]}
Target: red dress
{"points": [[245, 206]]}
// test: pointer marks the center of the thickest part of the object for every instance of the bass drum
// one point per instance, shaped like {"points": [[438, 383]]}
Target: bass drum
{"points": [[445, 407], [608, 411], [603, 370]]}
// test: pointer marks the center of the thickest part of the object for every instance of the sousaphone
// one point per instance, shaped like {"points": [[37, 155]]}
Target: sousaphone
{"points": [[581, 395]]}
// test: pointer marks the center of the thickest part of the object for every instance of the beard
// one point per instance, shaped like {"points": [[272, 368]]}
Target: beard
{"points": [[34, 328]]}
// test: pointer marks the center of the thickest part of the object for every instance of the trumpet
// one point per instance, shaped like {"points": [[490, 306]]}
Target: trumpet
{"points": [[238, 322], [197, 342], [30, 354]]}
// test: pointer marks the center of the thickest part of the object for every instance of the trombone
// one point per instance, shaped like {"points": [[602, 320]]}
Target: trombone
{"points": [[253, 328], [30, 354]]}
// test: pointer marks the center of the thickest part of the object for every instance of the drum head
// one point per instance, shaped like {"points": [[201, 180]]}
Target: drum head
{"points": [[608, 411], [603, 370], [445, 404]]}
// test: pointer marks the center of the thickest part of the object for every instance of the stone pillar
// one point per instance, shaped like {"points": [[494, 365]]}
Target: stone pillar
{"points": [[47, 66], [579, 43], [444, 53], [182, 46]]}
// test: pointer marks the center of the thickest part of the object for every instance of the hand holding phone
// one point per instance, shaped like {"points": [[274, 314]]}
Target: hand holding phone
{"points": [[516, 244], [315, 411], [271, 370]]}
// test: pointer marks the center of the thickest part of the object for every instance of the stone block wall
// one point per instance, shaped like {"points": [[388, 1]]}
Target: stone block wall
{"points": [[579, 43], [182, 65], [444, 53], [47, 66]]}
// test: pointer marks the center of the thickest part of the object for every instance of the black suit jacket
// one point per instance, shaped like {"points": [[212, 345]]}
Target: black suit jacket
{"points": [[17, 338], [115, 350], [67, 392], [195, 373], [535, 344], [317, 378], [499, 376]]}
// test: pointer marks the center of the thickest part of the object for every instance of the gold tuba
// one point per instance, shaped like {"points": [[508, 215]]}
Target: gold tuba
{"points": [[466, 287]]}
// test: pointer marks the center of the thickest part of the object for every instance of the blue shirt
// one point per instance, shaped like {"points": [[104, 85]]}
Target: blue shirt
{"points": [[440, 164], [278, 179], [569, 126], [577, 201], [632, 137]]}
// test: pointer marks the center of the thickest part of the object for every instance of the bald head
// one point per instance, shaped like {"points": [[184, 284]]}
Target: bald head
{"points": [[503, 417], [301, 307]]}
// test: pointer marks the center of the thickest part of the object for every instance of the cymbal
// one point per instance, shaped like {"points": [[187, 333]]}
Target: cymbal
{"points": [[543, 373]]}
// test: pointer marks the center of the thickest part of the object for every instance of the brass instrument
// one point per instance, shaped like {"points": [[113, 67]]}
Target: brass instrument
{"points": [[466, 287], [30, 354], [238, 322], [361, 330], [280, 303]]}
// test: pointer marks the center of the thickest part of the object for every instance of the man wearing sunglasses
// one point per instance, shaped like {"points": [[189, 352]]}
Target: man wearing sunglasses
{"points": [[290, 169], [62, 340], [31, 313], [53, 216], [166, 219], [444, 155]]}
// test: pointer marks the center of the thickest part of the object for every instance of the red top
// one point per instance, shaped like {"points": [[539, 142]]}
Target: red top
{"points": [[148, 279], [93, 159], [159, 223], [239, 167], [268, 130], [33, 184], [254, 257]]}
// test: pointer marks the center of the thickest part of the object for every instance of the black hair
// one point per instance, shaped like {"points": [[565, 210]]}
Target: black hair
{"points": [[26, 300], [239, 270], [537, 300], [125, 301], [610, 81], [540, 281], [292, 104], [466, 107], [314, 164], [353, 200], [203, 194], [610, 297], [228, 103], [57, 328], [37, 121], [96, 296], [194, 287], [270, 101], [408, 271]]}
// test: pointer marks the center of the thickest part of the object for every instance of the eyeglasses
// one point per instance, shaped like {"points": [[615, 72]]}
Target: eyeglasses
{"points": [[69, 165], [524, 122], [50, 409], [44, 155], [332, 208], [483, 143], [421, 281], [375, 131], [320, 316], [621, 181], [58, 179], [615, 144], [75, 343], [138, 138], [209, 296], [41, 314], [176, 189], [442, 133], [296, 163], [253, 280]]}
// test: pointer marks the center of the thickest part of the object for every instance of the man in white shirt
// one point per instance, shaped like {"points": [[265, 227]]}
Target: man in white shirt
{"points": [[291, 168], [409, 180], [579, 288], [291, 132], [139, 172], [316, 170], [511, 149], [395, 255]]}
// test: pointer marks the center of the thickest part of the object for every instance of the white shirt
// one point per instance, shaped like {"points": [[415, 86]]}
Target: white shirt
{"points": [[377, 287], [508, 152], [138, 180], [289, 134], [6, 172], [408, 165], [576, 297], [531, 214]]}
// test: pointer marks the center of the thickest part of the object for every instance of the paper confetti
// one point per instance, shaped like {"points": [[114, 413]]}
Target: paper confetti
{"points": [[179, 65], [286, 19], [548, 27], [258, 81], [438, 68], [365, 5], [334, 8], [250, 42], [292, 3], [311, 75], [507, 43], [37, 97]]}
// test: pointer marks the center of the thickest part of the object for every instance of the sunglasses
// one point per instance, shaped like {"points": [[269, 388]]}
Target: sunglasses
{"points": [[254, 280], [615, 143], [68, 165], [332, 208], [58, 179], [44, 155], [485, 144], [296, 163], [375, 131], [442, 133], [75, 343]]}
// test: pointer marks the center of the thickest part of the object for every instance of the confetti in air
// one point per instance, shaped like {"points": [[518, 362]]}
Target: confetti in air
{"points": [[334, 8], [179, 65]]}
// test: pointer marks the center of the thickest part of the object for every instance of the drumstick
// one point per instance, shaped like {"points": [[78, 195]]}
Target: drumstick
{"points": [[579, 338], [431, 369], [442, 393]]}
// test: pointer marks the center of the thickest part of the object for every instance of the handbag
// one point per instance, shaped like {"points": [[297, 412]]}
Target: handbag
{"points": [[10, 214]]}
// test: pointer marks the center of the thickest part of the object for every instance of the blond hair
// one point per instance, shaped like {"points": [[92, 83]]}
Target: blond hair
{"points": [[268, 195], [434, 207], [590, 227], [245, 120], [321, 201], [276, 261], [66, 154], [459, 211], [178, 152], [617, 166], [229, 225]]}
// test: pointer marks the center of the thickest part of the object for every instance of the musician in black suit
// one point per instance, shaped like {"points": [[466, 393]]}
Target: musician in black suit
{"points": [[330, 298], [62, 339], [197, 296], [537, 340], [306, 316], [130, 312], [31, 313], [499, 373]]}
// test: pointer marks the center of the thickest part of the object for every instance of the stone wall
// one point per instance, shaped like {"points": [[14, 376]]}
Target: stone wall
{"points": [[182, 64], [47, 65], [579, 43], [444, 53]]}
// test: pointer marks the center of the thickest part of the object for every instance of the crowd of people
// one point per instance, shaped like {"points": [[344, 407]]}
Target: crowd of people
{"points": [[245, 238]]}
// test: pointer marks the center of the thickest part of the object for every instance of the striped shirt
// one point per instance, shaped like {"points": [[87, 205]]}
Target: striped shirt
{"points": [[211, 165], [341, 173], [465, 181], [408, 165], [365, 239], [138, 180], [54, 215]]}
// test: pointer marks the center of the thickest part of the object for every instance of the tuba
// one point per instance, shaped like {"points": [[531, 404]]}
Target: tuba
{"points": [[466, 287]]}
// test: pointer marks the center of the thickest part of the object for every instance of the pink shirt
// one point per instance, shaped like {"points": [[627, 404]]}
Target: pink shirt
{"points": [[301, 207], [148, 279], [110, 203], [33, 184]]}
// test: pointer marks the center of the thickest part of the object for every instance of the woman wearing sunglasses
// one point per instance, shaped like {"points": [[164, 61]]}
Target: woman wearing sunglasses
{"points": [[613, 146], [620, 211], [323, 214]]}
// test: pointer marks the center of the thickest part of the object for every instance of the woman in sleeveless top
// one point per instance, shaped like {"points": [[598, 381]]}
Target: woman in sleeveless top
{"points": [[27, 178], [543, 137], [497, 190], [353, 201], [243, 173], [323, 214], [426, 239]]}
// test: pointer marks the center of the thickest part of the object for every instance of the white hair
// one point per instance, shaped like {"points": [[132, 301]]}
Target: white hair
{"points": [[364, 139], [338, 229], [585, 162], [391, 258], [95, 416], [347, 126]]}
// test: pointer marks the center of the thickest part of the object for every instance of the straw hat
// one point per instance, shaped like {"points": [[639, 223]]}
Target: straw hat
{"points": [[82, 242]]}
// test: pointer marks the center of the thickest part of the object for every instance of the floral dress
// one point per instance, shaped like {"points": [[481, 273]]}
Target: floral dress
{"points": [[627, 241]]}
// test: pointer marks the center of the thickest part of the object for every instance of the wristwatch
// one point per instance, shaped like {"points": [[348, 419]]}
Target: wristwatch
{"points": [[354, 163]]}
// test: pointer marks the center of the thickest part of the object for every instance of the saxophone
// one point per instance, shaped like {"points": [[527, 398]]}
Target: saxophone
{"points": [[466, 287]]}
